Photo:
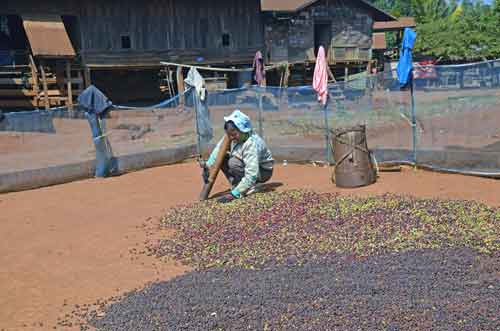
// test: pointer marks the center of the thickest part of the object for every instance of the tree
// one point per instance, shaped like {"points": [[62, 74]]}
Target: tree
{"points": [[454, 30], [426, 11]]}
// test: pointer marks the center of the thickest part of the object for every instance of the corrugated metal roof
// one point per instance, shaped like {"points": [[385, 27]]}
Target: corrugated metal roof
{"points": [[401, 23], [379, 41], [47, 36], [284, 5]]}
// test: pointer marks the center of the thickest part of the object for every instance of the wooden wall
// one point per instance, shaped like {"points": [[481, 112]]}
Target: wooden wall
{"points": [[180, 30], [351, 32]]}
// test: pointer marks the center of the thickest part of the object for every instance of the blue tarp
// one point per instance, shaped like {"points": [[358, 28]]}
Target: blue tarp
{"points": [[405, 64], [27, 121]]}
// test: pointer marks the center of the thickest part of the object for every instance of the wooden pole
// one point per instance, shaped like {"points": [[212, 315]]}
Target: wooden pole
{"points": [[287, 74], [413, 119], [80, 79], [214, 171], [346, 73], [45, 88], [34, 76], [170, 83], [86, 76], [87, 80], [259, 96], [330, 74], [180, 85], [70, 91]]}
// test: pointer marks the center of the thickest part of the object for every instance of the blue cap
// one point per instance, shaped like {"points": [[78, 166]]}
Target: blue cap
{"points": [[241, 121]]}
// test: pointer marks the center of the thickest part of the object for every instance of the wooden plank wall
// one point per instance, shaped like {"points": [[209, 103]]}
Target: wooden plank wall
{"points": [[351, 31], [157, 26]]}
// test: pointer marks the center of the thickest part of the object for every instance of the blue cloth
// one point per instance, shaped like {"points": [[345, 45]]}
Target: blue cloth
{"points": [[405, 64], [95, 104], [105, 163], [241, 121], [94, 101]]}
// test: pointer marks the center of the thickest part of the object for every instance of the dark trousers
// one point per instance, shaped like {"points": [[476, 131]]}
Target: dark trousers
{"points": [[234, 170]]}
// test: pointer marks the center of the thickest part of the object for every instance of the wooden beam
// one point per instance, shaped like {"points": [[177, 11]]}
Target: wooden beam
{"points": [[21, 82], [205, 67], [69, 91], [19, 93], [10, 73], [14, 67], [74, 80], [16, 103]]}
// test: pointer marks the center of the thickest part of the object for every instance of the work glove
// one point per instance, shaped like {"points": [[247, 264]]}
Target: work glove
{"points": [[226, 198]]}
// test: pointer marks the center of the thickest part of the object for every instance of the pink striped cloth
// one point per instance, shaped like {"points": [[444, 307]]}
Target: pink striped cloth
{"points": [[320, 78]]}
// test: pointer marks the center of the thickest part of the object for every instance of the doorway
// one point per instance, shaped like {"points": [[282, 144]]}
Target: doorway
{"points": [[322, 36]]}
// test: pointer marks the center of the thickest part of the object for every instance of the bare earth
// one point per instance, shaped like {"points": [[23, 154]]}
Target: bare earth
{"points": [[71, 244]]}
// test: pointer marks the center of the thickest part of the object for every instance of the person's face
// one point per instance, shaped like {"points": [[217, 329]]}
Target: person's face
{"points": [[233, 134]]}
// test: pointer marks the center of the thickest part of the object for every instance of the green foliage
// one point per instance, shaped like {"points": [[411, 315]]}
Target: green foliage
{"points": [[427, 11]]}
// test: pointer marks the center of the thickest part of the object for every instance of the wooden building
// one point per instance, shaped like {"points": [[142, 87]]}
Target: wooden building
{"points": [[294, 29], [118, 44]]}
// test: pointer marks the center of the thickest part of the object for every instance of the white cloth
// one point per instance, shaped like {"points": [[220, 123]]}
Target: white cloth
{"points": [[195, 80]]}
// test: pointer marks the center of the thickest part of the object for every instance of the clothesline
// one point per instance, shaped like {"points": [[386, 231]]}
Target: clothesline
{"points": [[270, 67]]}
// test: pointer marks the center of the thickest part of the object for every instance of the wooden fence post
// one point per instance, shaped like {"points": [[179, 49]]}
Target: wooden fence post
{"points": [[69, 87], [180, 85], [45, 87]]}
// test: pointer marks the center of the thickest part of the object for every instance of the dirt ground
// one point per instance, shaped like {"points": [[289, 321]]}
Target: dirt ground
{"points": [[73, 244]]}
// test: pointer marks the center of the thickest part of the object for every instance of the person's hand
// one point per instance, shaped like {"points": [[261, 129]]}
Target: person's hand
{"points": [[205, 171], [203, 164], [226, 198]]}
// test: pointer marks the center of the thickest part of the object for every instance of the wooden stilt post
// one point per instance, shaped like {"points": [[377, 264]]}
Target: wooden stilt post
{"points": [[86, 76], [34, 83], [346, 73], [87, 80], [180, 85], [81, 83], [45, 87], [69, 87]]}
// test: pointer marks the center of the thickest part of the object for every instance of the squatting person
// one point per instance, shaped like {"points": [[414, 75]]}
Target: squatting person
{"points": [[248, 162]]}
